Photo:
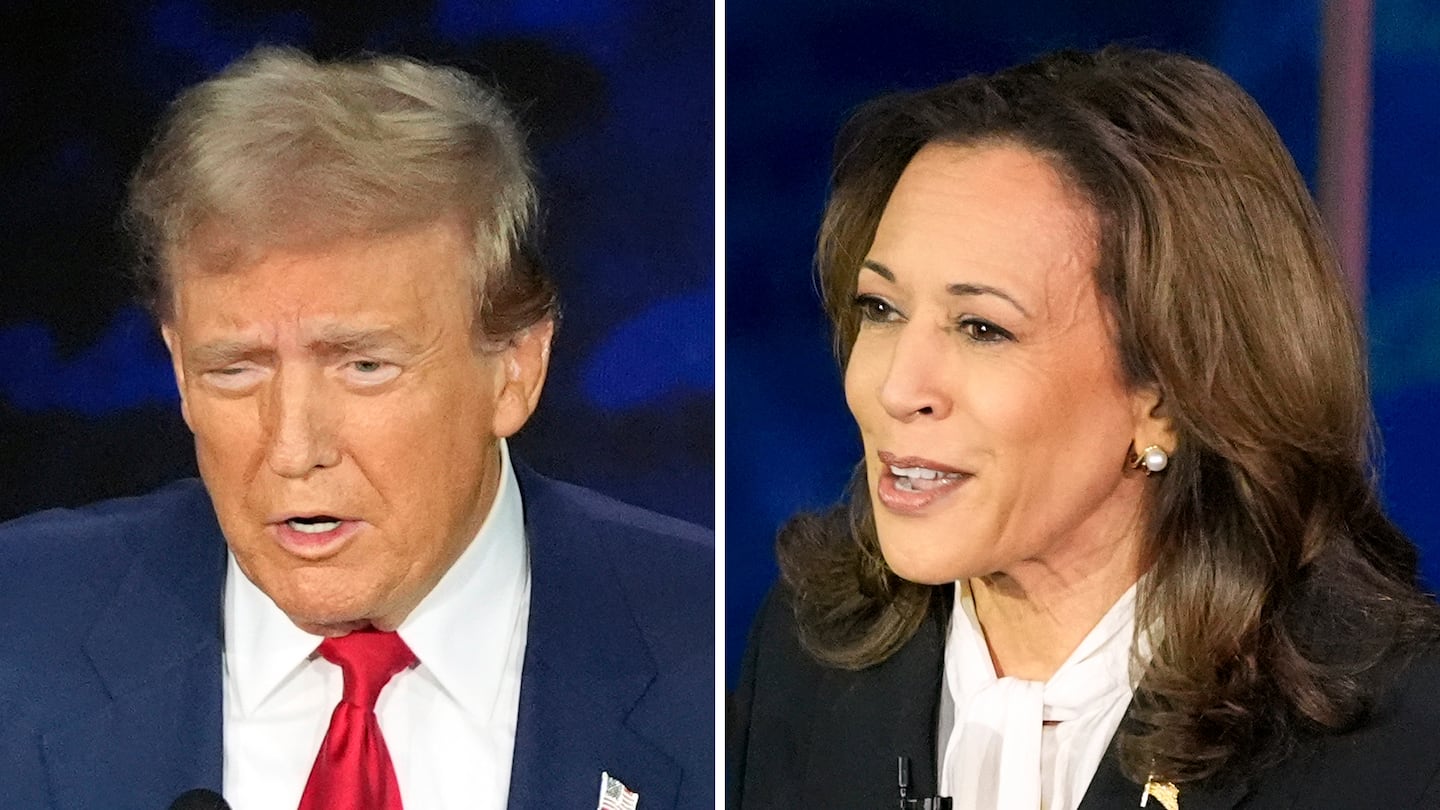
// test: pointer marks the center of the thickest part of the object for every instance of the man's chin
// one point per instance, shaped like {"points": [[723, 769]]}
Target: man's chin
{"points": [[336, 620], [335, 628], [322, 618]]}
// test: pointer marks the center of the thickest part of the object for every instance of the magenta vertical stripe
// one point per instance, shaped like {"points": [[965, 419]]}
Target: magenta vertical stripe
{"points": [[1345, 102]]}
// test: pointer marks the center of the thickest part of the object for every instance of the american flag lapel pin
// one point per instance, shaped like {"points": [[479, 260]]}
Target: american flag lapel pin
{"points": [[614, 795], [1165, 793]]}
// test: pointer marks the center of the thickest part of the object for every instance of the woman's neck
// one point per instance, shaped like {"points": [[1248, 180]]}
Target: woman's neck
{"points": [[1035, 615]]}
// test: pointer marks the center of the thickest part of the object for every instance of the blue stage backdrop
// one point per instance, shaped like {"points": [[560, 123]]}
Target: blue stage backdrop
{"points": [[618, 97], [794, 70]]}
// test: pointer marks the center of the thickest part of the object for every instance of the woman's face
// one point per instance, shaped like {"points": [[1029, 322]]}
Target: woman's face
{"points": [[996, 421]]}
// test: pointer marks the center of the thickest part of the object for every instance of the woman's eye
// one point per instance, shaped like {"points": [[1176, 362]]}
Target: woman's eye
{"points": [[983, 331], [875, 309]]}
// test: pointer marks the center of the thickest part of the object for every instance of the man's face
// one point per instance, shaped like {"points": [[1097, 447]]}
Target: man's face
{"points": [[345, 422]]}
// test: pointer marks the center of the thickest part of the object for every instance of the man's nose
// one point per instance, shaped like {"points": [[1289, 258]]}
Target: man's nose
{"points": [[914, 384], [301, 425]]}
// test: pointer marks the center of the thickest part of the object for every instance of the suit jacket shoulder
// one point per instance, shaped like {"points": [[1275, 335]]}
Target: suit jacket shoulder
{"points": [[62, 569], [110, 620], [619, 661], [1391, 760], [807, 734], [664, 567]]}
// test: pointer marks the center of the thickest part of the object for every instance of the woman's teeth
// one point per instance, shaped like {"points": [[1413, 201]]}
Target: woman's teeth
{"points": [[915, 479]]}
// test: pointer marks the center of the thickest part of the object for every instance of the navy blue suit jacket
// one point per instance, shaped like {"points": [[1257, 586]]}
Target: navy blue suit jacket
{"points": [[110, 653]]}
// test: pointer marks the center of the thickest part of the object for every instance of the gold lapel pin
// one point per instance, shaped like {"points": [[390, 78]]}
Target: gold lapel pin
{"points": [[1164, 792]]}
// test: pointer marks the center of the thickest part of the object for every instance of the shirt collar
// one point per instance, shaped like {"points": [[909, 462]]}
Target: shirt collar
{"points": [[461, 631], [968, 662], [464, 631]]}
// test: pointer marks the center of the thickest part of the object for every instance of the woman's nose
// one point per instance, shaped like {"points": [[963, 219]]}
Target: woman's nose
{"points": [[913, 386]]}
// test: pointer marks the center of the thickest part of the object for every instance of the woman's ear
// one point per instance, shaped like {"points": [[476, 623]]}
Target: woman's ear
{"points": [[1154, 424]]}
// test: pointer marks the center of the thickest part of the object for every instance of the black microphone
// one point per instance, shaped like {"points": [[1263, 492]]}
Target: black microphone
{"points": [[199, 799], [927, 803]]}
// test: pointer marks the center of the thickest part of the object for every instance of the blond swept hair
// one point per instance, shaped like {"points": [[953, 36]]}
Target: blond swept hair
{"points": [[280, 150]]}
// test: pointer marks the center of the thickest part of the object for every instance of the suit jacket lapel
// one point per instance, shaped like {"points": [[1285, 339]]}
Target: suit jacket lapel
{"points": [[586, 668], [1110, 789], [156, 650]]}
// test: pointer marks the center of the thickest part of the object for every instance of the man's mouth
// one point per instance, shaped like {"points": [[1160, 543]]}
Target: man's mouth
{"points": [[314, 525], [315, 535]]}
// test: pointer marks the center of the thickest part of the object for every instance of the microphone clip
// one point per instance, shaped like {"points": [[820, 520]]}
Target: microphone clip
{"points": [[926, 803]]}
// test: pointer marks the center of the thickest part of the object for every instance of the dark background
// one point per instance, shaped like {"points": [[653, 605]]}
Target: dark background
{"points": [[795, 68], [618, 96]]}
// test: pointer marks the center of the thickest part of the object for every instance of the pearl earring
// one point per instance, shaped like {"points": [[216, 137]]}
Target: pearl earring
{"points": [[1152, 458]]}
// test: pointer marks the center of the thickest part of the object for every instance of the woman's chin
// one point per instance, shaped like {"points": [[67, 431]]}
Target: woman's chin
{"points": [[921, 568]]}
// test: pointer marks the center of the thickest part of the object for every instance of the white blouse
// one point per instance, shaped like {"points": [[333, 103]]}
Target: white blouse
{"points": [[1007, 743]]}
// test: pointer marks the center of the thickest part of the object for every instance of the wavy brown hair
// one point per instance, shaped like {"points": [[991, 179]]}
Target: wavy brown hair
{"points": [[1280, 588]]}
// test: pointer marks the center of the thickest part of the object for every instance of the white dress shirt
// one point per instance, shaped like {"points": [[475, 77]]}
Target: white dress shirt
{"points": [[449, 722], [1008, 744]]}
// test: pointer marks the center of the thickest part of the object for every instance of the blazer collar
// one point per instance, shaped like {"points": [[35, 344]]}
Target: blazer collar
{"points": [[155, 648], [865, 728], [586, 665]]}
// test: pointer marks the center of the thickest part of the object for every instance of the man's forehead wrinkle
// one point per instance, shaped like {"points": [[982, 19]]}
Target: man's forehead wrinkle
{"points": [[342, 334]]}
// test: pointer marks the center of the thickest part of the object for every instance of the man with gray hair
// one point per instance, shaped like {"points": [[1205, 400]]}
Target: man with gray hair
{"points": [[365, 597]]}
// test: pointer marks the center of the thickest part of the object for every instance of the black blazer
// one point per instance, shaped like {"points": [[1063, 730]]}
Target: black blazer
{"points": [[806, 735]]}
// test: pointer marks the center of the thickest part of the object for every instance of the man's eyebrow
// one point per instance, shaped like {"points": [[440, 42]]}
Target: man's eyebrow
{"points": [[223, 352], [335, 338], [959, 288], [327, 341]]}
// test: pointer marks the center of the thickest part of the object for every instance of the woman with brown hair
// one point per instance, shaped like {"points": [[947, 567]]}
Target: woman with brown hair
{"points": [[1114, 539]]}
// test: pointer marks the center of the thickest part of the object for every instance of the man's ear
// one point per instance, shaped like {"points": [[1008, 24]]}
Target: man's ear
{"points": [[1154, 422], [172, 343], [524, 360]]}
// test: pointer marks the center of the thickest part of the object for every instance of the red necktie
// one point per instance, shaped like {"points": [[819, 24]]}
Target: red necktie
{"points": [[353, 768]]}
